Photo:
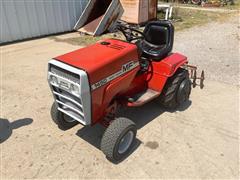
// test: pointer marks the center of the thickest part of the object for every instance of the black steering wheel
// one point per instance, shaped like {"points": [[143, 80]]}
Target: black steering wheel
{"points": [[131, 34]]}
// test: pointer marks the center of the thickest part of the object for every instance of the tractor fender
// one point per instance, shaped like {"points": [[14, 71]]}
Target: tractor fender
{"points": [[164, 69], [169, 65]]}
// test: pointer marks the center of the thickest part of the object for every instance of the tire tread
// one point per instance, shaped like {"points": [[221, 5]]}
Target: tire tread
{"points": [[58, 118], [168, 97], [111, 135]]}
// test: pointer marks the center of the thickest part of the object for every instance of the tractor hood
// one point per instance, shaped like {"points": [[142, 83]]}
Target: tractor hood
{"points": [[101, 59]]}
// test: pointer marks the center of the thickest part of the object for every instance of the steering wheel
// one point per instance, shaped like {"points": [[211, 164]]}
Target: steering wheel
{"points": [[131, 34]]}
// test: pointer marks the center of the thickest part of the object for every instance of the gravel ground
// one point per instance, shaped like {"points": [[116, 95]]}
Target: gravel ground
{"points": [[214, 48], [199, 141]]}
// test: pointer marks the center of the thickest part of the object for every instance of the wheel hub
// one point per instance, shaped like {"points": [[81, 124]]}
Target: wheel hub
{"points": [[125, 142]]}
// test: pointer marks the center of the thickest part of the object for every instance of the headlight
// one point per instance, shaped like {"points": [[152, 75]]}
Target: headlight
{"points": [[53, 80], [74, 89]]}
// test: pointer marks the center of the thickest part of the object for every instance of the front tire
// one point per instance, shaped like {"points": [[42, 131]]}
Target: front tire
{"points": [[118, 139], [63, 121], [176, 91]]}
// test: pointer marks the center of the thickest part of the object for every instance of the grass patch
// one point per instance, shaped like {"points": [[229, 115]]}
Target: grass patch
{"points": [[236, 5], [187, 18]]}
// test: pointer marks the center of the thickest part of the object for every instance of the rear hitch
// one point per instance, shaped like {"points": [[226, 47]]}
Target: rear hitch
{"points": [[193, 75]]}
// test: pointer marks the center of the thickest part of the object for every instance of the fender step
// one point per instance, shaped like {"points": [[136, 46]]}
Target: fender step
{"points": [[142, 98]]}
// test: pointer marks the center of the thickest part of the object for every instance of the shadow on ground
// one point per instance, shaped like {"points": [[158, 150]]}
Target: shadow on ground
{"points": [[145, 114], [6, 127], [140, 115]]}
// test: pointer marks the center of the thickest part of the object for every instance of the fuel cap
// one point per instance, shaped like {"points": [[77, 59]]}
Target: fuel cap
{"points": [[105, 43]]}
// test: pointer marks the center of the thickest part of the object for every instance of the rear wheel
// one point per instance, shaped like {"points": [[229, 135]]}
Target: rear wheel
{"points": [[177, 90], [63, 121], [118, 138]]}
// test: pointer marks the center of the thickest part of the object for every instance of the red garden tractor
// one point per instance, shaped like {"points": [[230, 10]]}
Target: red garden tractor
{"points": [[90, 84]]}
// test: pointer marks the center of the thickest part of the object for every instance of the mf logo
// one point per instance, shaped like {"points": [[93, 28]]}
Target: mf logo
{"points": [[128, 66]]}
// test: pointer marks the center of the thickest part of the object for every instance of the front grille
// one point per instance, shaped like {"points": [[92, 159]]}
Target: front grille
{"points": [[71, 91], [68, 103], [65, 74]]}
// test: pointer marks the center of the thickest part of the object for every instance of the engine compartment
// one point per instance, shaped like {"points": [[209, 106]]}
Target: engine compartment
{"points": [[101, 59]]}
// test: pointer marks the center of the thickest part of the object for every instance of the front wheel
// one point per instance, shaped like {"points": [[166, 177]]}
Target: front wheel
{"points": [[63, 121], [118, 139]]}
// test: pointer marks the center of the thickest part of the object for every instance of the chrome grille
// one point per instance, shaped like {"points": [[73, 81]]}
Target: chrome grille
{"points": [[64, 81], [65, 74], [68, 103]]}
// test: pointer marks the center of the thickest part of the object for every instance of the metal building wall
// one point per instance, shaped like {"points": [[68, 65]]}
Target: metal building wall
{"points": [[21, 19]]}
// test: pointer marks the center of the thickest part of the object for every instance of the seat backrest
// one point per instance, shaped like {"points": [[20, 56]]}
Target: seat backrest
{"points": [[159, 33]]}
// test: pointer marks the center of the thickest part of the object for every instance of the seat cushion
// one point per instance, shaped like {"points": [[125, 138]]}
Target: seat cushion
{"points": [[150, 50], [157, 35], [158, 40]]}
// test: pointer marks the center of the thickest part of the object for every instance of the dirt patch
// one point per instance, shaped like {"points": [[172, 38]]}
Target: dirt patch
{"points": [[83, 39], [152, 144]]}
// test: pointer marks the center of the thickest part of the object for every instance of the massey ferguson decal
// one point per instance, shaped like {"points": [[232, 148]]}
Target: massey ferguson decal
{"points": [[125, 68]]}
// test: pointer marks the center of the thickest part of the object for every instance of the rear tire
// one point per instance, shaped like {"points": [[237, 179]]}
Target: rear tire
{"points": [[63, 121], [176, 91], [118, 139]]}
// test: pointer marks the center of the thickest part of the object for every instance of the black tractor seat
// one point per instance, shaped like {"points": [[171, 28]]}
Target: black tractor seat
{"points": [[158, 40]]}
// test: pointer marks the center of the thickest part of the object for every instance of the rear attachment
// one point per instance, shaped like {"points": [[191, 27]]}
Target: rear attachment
{"points": [[193, 75]]}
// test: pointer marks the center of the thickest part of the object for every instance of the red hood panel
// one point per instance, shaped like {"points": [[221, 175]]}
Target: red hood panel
{"points": [[100, 60]]}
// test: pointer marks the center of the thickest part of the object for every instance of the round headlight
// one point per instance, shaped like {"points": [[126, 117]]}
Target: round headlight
{"points": [[74, 89], [53, 80]]}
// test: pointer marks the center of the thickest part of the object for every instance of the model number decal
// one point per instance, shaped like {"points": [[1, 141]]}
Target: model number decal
{"points": [[125, 68]]}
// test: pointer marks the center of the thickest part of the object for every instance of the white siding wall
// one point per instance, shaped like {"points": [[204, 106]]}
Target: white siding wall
{"points": [[21, 19]]}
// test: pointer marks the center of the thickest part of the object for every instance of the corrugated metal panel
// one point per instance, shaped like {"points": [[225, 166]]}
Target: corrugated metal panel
{"points": [[21, 19]]}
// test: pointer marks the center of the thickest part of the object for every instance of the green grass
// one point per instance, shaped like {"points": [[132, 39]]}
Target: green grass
{"points": [[236, 6], [187, 18]]}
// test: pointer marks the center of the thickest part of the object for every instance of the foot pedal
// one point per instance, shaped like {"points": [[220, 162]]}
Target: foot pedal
{"points": [[142, 98]]}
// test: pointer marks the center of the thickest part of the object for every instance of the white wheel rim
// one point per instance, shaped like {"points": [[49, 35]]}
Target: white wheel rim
{"points": [[125, 142]]}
